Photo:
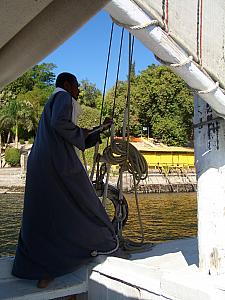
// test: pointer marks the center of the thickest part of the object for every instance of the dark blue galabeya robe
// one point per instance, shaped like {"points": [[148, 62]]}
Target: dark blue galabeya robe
{"points": [[63, 219]]}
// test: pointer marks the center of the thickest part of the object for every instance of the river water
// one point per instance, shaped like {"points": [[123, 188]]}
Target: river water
{"points": [[164, 217]]}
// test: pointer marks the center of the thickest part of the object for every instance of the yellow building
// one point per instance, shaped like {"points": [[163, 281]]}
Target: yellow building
{"points": [[159, 155]]}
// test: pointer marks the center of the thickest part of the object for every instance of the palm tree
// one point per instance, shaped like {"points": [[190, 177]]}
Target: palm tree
{"points": [[7, 118], [16, 113]]}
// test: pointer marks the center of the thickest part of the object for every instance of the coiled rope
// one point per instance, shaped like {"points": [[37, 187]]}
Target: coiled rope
{"points": [[134, 163]]}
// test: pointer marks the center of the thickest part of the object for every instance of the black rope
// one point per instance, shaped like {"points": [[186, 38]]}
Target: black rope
{"points": [[117, 74], [130, 58], [106, 72]]}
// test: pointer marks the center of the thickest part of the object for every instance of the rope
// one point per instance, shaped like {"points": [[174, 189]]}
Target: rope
{"points": [[209, 90], [175, 65], [128, 157], [96, 252], [135, 27], [85, 162], [103, 100], [138, 208], [106, 71], [133, 162], [105, 193], [116, 154], [94, 161], [186, 61], [117, 73], [122, 153], [130, 57], [183, 63]]}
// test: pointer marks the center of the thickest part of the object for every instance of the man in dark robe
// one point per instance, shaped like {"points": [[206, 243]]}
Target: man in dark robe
{"points": [[63, 219]]}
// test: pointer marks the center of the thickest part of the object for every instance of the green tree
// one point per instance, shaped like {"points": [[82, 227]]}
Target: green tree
{"points": [[36, 100], [120, 106], [43, 75], [21, 101], [165, 104], [132, 73], [89, 94], [169, 130], [89, 117], [15, 114]]}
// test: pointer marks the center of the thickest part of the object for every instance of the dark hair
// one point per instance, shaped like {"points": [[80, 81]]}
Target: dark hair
{"points": [[62, 77]]}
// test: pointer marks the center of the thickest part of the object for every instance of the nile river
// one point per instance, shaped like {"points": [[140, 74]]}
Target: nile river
{"points": [[164, 217]]}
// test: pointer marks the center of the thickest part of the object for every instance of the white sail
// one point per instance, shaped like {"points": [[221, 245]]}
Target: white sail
{"points": [[198, 26]]}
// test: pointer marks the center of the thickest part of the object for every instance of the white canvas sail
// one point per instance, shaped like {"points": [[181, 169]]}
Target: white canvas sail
{"points": [[198, 26]]}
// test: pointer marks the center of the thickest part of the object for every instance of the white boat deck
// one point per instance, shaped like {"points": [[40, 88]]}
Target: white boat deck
{"points": [[19, 289], [168, 271]]}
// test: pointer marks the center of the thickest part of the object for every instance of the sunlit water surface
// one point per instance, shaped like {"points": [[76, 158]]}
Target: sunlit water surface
{"points": [[164, 217]]}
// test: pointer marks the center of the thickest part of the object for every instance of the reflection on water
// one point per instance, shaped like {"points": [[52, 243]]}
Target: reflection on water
{"points": [[164, 217], [11, 206]]}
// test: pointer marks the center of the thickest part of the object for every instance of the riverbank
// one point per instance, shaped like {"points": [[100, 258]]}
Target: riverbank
{"points": [[12, 180], [160, 181]]}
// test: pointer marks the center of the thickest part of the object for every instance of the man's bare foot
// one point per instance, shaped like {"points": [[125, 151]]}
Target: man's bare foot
{"points": [[43, 283]]}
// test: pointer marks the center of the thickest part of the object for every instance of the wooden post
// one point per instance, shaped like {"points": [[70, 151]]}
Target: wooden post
{"points": [[210, 168]]}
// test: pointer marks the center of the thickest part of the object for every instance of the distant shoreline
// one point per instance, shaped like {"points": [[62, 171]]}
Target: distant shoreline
{"points": [[12, 180]]}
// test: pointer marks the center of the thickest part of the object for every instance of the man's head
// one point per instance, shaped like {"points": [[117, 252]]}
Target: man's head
{"points": [[68, 82]]}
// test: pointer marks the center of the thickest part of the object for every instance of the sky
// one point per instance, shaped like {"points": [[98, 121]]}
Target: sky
{"points": [[85, 53]]}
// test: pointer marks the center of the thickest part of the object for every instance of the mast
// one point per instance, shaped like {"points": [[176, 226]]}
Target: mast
{"points": [[210, 169]]}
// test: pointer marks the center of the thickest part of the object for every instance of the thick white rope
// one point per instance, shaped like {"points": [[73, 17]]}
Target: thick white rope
{"points": [[116, 154], [105, 192], [210, 89], [135, 27]]}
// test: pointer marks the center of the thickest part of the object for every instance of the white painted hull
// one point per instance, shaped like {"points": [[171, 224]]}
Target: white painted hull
{"points": [[169, 271]]}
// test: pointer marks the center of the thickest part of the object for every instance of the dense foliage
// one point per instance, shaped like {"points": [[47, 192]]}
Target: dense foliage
{"points": [[89, 117], [22, 101], [89, 94], [160, 101], [165, 104]]}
